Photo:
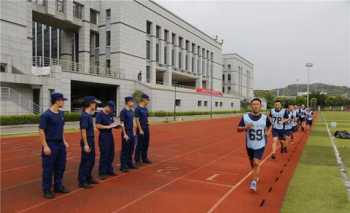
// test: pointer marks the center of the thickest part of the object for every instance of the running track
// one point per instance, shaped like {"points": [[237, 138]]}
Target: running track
{"points": [[199, 166]]}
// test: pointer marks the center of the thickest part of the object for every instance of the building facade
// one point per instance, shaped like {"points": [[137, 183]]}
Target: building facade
{"points": [[108, 49], [237, 76]]}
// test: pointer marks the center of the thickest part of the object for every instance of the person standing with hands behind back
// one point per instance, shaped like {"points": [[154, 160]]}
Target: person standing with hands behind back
{"points": [[128, 135], [51, 133], [87, 143], [105, 124], [143, 134]]}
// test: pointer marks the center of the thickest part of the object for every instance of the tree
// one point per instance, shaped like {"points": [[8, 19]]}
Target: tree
{"points": [[137, 95]]}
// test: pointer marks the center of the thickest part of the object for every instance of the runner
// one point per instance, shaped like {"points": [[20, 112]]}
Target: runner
{"points": [[256, 126]]}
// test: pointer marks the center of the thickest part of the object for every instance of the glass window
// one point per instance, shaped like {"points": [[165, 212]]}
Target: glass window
{"points": [[149, 27], [148, 50], [229, 77], [148, 74], [165, 55], [173, 57], [157, 52], [199, 103], [178, 102], [108, 66], [108, 38], [94, 16], [78, 10], [3, 67], [166, 35], [60, 5], [173, 37], [157, 31], [108, 14], [205, 103]]}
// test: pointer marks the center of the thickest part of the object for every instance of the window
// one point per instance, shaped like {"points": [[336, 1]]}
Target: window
{"points": [[108, 14], [180, 42], [199, 103], [108, 38], [187, 45], [229, 77], [223, 89], [232, 104], [216, 104], [94, 16], [180, 60], [228, 89], [108, 66], [148, 74], [223, 77], [205, 103], [97, 40], [157, 31], [186, 62], [221, 104], [166, 55], [193, 47], [149, 27], [229, 66], [173, 38], [178, 102], [148, 50], [3, 67], [60, 6], [192, 66], [166, 35], [157, 52], [173, 57], [77, 10]]}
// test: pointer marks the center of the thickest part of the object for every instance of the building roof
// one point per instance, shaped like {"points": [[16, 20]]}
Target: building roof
{"points": [[227, 55]]}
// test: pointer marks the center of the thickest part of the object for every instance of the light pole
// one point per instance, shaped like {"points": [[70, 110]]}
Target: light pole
{"points": [[308, 67]]}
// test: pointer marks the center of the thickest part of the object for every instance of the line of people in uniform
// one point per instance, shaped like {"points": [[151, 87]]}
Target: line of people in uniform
{"points": [[135, 136], [281, 122]]}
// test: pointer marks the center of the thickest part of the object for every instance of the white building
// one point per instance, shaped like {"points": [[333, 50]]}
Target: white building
{"points": [[107, 49], [238, 76]]}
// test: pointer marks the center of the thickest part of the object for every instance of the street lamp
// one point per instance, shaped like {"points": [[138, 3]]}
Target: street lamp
{"points": [[308, 67]]}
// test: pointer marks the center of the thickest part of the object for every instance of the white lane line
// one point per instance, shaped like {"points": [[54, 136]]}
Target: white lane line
{"points": [[211, 178], [341, 165], [212, 209], [208, 183], [169, 183]]}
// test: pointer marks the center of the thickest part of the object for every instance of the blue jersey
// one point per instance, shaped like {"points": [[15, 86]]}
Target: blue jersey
{"points": [[256, 135], [295, 117], [277, 118]]}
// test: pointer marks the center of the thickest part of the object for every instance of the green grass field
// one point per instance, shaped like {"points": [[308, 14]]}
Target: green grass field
{"points": [[317, 185]]}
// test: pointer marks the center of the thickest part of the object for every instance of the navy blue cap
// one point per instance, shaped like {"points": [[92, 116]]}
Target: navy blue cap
{"points": [[128, 98], [56, 96], [144, 96], [90, 99], [111, 105]]}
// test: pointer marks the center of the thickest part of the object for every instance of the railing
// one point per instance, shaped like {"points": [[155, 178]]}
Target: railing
{"points": [[71, 66], [9, 94]]}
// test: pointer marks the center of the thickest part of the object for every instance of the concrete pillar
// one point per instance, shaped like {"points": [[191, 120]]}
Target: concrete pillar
{"points": [[68, 9], [176, 53], [84, 47], [153, 64], [66, 51]]}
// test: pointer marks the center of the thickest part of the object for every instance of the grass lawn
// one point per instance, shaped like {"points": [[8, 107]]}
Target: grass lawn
{"points": [[317, 185]]}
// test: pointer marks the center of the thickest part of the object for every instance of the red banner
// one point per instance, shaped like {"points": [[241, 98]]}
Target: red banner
{"points": [[208, 92]]}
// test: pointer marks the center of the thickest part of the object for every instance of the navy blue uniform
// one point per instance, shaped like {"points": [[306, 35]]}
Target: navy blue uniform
{"points": [[141, 113], [106, 144], [53, 165], [127, 117], [87, 158]]}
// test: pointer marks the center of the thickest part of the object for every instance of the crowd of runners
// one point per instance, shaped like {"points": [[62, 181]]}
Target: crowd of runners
{"points": [[281, 121]]}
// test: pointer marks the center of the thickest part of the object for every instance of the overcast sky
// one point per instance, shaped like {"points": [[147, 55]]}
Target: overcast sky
{"points": [[279, 37]]}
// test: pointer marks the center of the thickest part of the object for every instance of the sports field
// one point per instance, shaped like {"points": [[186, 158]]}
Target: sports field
{"points": [[317, 185], [199, 166]]}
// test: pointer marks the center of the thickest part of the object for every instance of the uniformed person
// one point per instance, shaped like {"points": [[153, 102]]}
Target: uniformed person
{"points": [[105, 124], [87, 143], [128, 135], [143, 133], [51, 131]]}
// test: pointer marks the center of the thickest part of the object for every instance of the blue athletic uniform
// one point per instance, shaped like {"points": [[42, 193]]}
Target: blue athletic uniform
{"points": [[255, 136], [128, 146], [141, 153], [106, 144], [277, 117], [309, 117], [87, 158], [53, 165]]}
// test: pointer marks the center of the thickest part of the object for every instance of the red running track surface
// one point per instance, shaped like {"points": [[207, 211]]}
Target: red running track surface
{"points": [[199, 166]]}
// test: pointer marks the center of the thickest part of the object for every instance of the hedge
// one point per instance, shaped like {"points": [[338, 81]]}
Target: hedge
{"points": [[74, 116], [32, 119]]}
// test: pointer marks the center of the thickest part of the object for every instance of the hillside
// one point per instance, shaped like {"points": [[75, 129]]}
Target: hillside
{"points": [[291, 90]]}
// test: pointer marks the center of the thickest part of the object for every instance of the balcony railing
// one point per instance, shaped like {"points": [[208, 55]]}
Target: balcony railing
{"points": [[76, 67]]}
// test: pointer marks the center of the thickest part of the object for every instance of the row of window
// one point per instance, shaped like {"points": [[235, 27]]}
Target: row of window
{"points": [[201, 103]]}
